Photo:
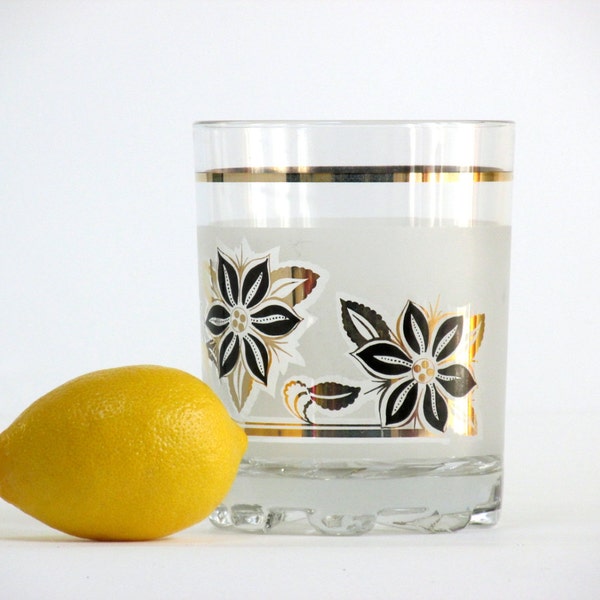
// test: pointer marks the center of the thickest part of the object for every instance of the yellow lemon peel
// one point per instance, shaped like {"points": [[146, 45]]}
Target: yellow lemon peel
{"points": [[131, 453]]}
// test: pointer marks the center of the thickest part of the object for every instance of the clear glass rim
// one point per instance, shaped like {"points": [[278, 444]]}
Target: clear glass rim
{"points": [[297, 146], [293, 123]]}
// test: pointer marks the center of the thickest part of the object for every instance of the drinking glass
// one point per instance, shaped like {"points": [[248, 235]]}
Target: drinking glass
{"points": [[354, 284]]}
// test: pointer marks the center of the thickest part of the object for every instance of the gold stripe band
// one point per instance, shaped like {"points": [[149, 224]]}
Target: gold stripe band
{"points": [[304, 431], [389, 174]]}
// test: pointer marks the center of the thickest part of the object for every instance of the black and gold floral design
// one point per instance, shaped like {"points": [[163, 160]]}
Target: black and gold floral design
{"points": [[251, 317], [422, 366]]}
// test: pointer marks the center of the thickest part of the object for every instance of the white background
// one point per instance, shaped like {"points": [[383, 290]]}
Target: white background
{"points": [[97, 214]]}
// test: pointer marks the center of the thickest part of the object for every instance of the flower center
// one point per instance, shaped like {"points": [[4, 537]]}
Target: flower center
{"points": [[239, 320], [423, 370]]}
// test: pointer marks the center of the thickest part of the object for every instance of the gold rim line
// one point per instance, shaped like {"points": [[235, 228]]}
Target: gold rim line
{"points": [[385, 174]]}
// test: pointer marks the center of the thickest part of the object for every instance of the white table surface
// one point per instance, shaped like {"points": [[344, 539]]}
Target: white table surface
{"points": [[546, 546]]}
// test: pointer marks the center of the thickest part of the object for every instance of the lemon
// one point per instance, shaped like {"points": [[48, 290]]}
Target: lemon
{"points": [[131, 453]]}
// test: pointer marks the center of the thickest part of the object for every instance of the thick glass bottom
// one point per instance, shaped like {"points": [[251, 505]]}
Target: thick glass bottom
{"points": [[352, 499]]}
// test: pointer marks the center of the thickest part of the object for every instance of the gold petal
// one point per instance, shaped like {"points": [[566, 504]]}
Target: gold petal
{"points": [[477, 328]]}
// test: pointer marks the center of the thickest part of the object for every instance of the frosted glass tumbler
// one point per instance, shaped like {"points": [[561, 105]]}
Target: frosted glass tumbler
{"points": [[354, 282]]}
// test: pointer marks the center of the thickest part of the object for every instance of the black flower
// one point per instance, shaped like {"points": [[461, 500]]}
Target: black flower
{"points": [[419, 369], [244, 320]]}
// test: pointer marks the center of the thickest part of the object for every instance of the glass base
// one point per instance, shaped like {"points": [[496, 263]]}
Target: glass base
{"points": [[415, 496]]}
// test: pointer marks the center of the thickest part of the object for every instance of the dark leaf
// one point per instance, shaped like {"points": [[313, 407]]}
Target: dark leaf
{"points": [[435, 409], [274, 320], [255, 284], [229, 352], [399, 402], [332, 395], [415, 328], [229, 285], [362, 324], [456, 380], [447, 337], [256, 357], [217, 319], [383, 359]]}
